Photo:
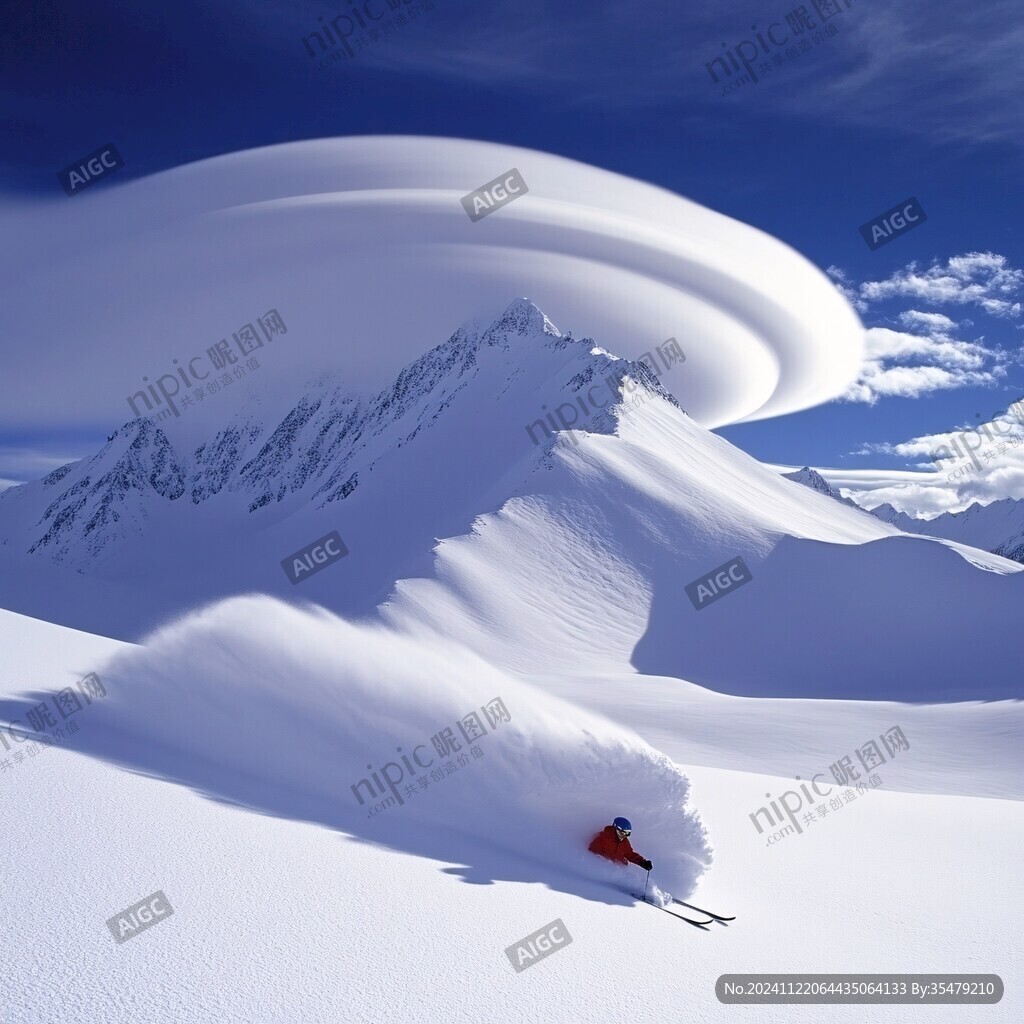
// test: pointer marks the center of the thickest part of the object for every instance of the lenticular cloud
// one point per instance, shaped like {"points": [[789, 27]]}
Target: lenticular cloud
{"points": [[365, 247]]}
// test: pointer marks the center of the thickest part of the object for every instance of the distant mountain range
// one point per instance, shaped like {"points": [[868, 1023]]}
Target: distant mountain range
{"points": [[997, 527], [206, 522], [82, 511]]}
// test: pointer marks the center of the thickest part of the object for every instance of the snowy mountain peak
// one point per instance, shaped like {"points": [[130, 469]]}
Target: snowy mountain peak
{"points": [[102, 499], [813, 479], [888, 513], [523, 319]]}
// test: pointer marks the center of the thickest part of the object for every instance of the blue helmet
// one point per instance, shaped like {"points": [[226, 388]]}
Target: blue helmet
{"points": [[623, 824]]}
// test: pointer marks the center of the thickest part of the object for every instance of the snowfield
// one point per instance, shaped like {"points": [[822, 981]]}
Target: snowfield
{"points": [[252, 721]]}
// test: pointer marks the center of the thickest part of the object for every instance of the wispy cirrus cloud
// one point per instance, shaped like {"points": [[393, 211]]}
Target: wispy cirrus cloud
{"points": [[891, 66], [904, 63]]}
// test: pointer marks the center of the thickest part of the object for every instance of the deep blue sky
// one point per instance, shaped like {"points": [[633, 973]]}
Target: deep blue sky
{"points": [[904, 100]]}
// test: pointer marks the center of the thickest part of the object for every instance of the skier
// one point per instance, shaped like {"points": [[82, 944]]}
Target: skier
{"points": [[612, 842]]}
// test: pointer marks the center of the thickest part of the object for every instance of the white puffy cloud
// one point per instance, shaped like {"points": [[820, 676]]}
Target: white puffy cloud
{"points": [[935, 347], [906, 365], [983, 279], [879, 381], [932, 322], [924, 356]]}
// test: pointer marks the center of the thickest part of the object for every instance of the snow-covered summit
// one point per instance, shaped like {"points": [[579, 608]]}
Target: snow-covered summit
{"points": [[888, 513], [102, 500], [522, 319], [813, 479]]}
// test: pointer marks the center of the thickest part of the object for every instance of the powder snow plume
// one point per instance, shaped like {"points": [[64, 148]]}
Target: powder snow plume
{"points": [[285, 709]]}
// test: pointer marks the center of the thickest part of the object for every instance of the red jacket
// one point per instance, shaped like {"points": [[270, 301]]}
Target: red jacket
{"points": [[607, 844]]}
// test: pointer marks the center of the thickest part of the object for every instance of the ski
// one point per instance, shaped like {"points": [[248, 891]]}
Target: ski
{"points": [[702, 925], [679, 917], [717, 917]]}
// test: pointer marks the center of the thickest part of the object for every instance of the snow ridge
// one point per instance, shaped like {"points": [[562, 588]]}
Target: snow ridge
{"points": [[315, 454]]}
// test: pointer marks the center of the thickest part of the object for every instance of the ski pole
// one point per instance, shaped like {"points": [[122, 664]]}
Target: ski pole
{"points": [[646, 880]]}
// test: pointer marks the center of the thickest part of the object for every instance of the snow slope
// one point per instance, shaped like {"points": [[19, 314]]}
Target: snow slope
{"points": [[287, 720], [216, 770], [601, 541]]}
